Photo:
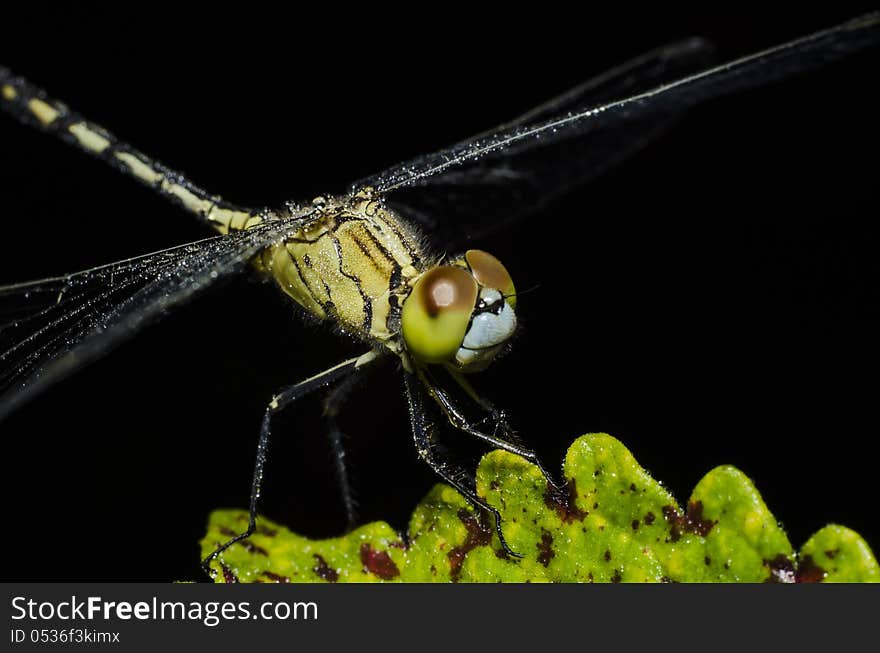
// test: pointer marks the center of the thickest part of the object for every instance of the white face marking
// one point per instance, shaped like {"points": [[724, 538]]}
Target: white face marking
{"points": [[487, 332], [488, 329], [89, 139], [45, 113], [490, 296]]}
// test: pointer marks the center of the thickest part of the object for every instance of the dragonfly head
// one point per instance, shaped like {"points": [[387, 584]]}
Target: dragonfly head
{"points": [[461, 314]]}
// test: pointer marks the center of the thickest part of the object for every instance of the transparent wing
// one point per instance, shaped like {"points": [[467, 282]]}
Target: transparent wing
{"points": [[649, 70], [51, 327], [488, 193], [479, 185]]}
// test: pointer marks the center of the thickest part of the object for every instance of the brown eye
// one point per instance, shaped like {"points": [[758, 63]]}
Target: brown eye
{"points": [[446, 288], [490, 273], [437, 312]]}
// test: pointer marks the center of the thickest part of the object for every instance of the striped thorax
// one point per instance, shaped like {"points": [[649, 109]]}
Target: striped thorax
{"points": [[352, 262]]}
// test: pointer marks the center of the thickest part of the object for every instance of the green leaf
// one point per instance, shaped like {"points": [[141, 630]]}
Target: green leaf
{"points": [[611, 522]]}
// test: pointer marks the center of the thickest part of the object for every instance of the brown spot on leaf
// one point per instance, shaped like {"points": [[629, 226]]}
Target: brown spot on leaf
{"points": [[275, 578], [616, 578], [268, 532], [250, 547], [228, 532], [707, 560], [832, 552], [326, 572], [563, 501], [781, 570], [649, 518], [494, 485], [690, 522], [635, 524], [607, 555], [228, 575], [479, 533], [378, 562], [545, 548], [809, 572]]}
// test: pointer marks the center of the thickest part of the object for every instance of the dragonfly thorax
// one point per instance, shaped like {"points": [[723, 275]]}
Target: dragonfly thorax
{"points": [[352, 262]]}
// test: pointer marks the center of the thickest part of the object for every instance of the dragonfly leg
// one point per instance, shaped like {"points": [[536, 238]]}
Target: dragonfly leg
{"points": [[430, 451], [283, 398], [332, 407], [506, 440], [497, 417]]}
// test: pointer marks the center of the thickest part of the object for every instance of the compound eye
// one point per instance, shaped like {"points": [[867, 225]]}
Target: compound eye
{"points": [[437, 312], [490, 273]]}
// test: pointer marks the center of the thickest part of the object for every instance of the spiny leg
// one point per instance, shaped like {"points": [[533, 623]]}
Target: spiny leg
{"points": [[283, 398], [494, 415], [343, 476], [428, 450], [333, 404], [508, 441], [32, 105]]}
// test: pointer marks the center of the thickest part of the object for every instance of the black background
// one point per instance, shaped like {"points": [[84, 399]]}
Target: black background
{"points": [[713, 300]]}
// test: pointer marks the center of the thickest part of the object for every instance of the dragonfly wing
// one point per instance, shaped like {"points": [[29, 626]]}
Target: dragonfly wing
{"points": [[485, 194], [50, 328], [479, 185], [663, 64]]}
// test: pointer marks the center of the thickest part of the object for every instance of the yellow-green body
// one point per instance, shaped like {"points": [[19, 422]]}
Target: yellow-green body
{"points": [[353, 262]]}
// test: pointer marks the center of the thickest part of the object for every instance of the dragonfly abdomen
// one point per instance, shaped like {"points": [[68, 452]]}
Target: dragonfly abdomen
{"points": [[352, 263], [33, 106]]}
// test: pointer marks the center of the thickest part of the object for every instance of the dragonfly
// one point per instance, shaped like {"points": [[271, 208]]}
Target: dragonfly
{"points": [[362, 259]]}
